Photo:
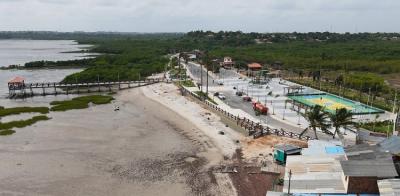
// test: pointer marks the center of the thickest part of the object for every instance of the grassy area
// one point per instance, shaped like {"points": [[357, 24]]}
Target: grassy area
{"points": [[381, 127], [22, 123], [6, 132], [19, 110], [203, 94], [80, 102], [188, 83]]}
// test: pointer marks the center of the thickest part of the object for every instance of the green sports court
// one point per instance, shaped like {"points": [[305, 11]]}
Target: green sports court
{"points": [[331, 103]]}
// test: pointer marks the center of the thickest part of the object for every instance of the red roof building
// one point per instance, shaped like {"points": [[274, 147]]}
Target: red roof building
{"points": [[254, 66], [17, 80]]}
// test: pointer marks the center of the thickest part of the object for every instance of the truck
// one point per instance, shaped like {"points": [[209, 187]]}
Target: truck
{"points": [[257, 106]]}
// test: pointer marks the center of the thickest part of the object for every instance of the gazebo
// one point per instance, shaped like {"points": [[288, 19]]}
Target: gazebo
{"points": [[16, 84]]}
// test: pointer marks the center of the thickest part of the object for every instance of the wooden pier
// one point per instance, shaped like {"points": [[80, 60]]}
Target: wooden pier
{"points": [[19, 89]]}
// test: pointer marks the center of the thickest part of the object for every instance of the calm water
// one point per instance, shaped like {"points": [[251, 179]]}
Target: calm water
{"points": [[22, 51], [19, 52]]}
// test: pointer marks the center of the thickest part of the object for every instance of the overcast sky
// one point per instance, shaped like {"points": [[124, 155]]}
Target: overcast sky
{"points": [[188, 15]]}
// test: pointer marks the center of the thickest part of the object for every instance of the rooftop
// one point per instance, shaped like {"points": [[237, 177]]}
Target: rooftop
{"points": [[368, 161], [391, 145], [368, 168], [288, 149], [314, 174], [17, 80], [319, 147], [389, 187], [254, 66]]}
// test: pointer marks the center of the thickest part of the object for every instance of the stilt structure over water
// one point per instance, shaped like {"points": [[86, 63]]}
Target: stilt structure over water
{"points": [[16, 86], [19, 89]]}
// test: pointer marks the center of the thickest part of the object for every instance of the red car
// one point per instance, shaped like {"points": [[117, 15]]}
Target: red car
{"points": [[247, 98]]}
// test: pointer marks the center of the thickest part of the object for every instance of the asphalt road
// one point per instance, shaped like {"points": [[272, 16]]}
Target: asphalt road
{"points": [[231, 79]]}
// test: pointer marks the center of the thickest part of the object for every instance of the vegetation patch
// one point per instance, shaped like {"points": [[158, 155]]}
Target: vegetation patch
{"points": [[188, 83], [7, 132], [381, 126], [203, 95], [80, 102], [22, 123], [19, 110]]}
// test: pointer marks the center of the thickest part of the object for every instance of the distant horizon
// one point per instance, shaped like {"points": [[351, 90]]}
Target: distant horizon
{"points": [[185, 15], [166, 32]]}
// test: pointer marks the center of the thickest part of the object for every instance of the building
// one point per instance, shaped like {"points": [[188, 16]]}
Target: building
{"points": [[326, 168], [283, 150], [253, 69], [227, 63], [364, 165], [389, 187], [16, 86], [317, 170]]}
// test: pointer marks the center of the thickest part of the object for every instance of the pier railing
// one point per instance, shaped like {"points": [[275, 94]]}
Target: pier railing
{"points": [[54, 88], [254, 129]]}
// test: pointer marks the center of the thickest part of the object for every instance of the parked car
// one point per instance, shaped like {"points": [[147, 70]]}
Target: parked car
{"points": [[247, 98], [216, 94], [220, 82], [239, 93], [221, 96]]}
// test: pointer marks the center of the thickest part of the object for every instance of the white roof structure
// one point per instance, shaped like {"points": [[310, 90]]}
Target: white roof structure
{"points": [[316, 170], [389, 187], [314, 174], [318, 147]]}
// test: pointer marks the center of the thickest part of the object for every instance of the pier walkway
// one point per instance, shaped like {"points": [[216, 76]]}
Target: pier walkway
{"points": [[19, 89]]}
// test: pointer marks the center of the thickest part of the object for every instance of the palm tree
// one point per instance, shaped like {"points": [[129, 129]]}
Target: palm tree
{"points": [[317, 118], [341, 118]]}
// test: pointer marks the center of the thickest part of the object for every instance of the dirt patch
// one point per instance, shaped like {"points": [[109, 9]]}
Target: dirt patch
{"points": [[263, 146], [249, 180]]}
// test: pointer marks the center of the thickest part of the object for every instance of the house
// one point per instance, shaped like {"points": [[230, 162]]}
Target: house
{"points": [[283, 150], [364, 165], [253, 69], [325, 168], [227, 63]]}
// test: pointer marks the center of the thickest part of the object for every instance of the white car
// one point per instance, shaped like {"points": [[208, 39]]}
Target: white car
{"points": [[221, 96], [220, 82]]}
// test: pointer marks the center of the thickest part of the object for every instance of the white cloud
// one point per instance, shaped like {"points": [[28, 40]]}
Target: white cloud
{"points": [[186, 15]]}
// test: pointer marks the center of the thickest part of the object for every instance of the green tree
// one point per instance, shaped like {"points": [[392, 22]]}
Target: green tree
{"points": [[341, 118], [317, 119]]}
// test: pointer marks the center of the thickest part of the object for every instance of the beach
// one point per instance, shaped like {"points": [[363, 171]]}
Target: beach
{"points": [[143, 149]]}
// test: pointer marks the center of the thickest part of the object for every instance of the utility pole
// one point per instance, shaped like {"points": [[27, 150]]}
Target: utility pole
{"points": [[395, 100], [201, 77], [290, 178], [98, 81]]}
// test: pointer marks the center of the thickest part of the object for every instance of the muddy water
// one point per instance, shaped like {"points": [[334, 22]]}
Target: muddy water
{"points": [[138, 150]]}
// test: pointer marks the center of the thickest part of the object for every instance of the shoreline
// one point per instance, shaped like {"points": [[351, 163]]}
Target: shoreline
{"points": [[145, 148]]}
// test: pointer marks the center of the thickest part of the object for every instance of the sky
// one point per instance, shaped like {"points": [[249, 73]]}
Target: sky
{"points": [[189, 15]]}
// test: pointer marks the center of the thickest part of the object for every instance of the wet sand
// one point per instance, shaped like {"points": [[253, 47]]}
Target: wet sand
{"points": [[143, 149]]}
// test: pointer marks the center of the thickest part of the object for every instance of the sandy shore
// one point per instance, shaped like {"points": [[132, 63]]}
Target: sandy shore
{"points": [[159, 143], [143, 149]]}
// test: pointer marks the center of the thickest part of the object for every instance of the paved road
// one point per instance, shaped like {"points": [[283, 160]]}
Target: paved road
{"points": [[195, 70], [231, 79]]}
